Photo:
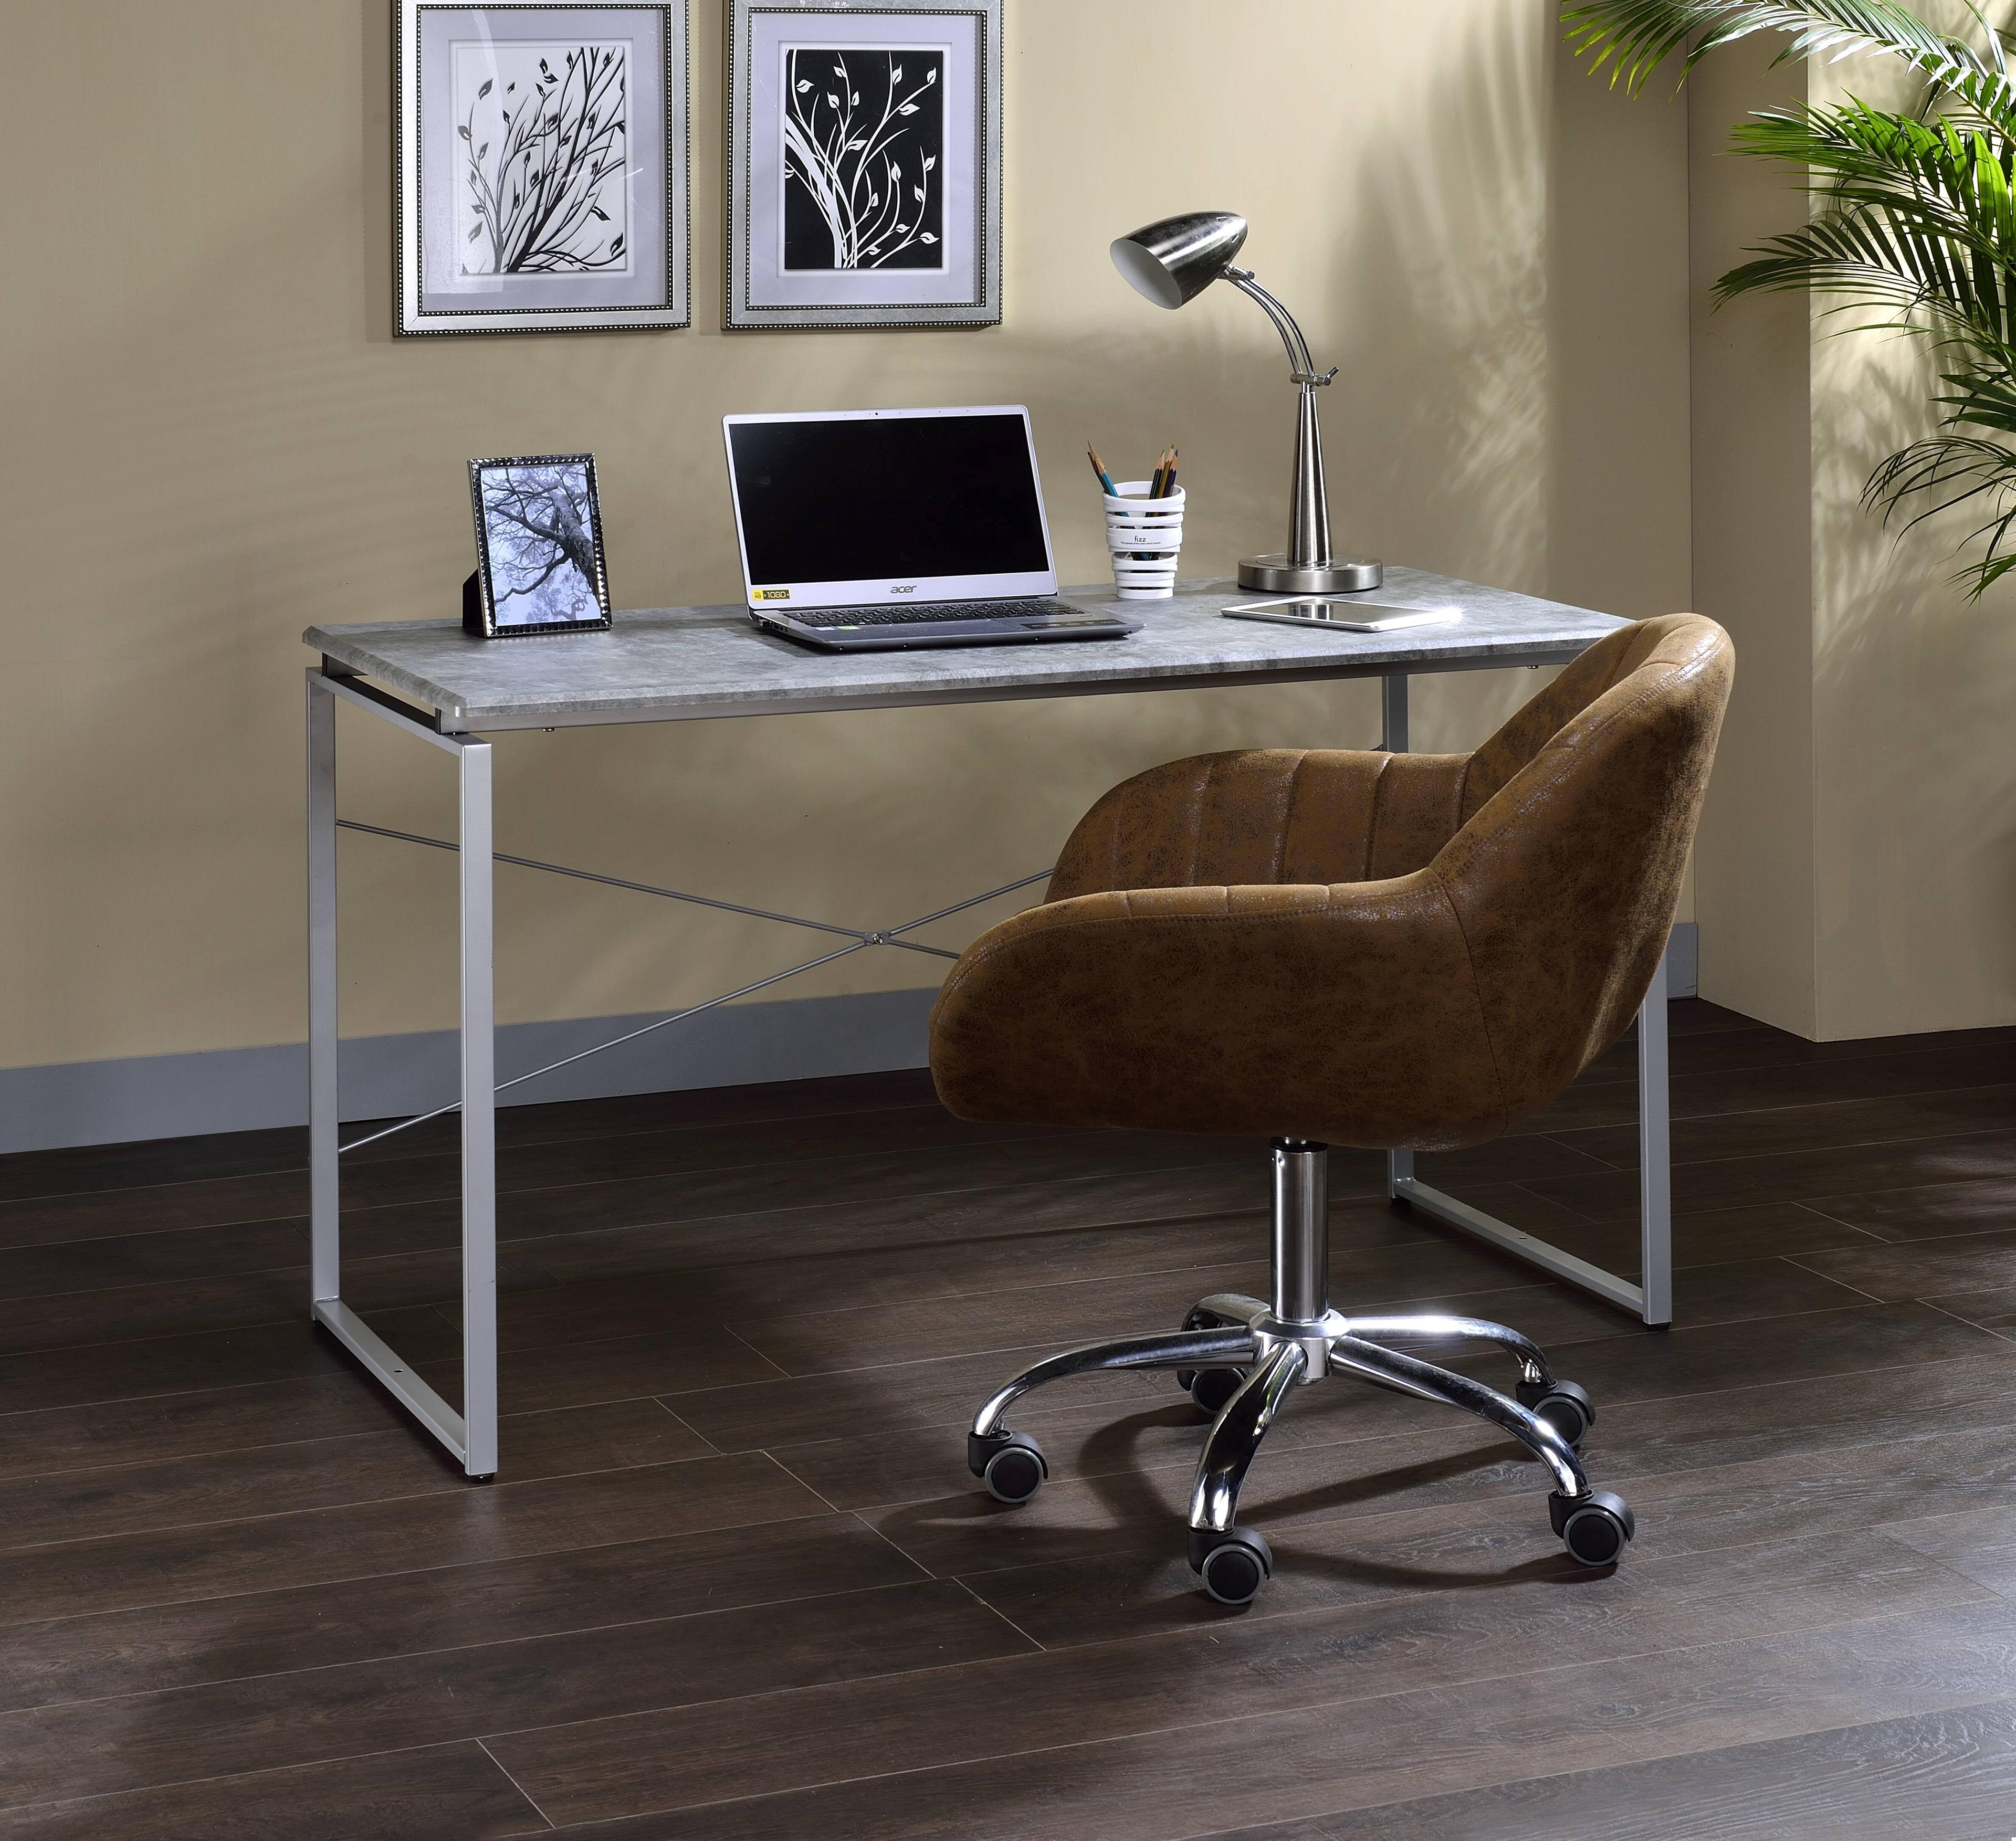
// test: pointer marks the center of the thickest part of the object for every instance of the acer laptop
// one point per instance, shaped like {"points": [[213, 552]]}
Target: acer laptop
{"points": [[868, 530]]}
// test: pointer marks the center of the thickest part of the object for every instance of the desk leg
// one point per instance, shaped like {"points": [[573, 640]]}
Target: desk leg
{"points": [[325, 1253], [1651, 1299], [1393, 713], [1655, 1158], [479, 1122], [1393, 740], [471, 1434]]}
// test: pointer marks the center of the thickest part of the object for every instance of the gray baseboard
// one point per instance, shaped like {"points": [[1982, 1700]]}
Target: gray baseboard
{"points": [[1683, 961], [387, 1077]]}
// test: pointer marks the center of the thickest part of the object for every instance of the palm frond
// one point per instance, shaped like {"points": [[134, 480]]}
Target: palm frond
{"points": [[1632, 38], [1915, 229]]}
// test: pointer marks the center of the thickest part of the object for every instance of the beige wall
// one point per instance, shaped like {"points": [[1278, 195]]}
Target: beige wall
{"points": [[1753, 565], [1858, 857], [212, 439]]}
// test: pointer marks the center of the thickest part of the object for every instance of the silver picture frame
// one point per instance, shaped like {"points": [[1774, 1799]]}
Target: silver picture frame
{"points": [[524, 551], [864, 165], [540, 168]]}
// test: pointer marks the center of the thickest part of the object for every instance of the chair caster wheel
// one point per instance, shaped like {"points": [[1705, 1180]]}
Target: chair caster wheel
{"points": [[1231, 1567], [1011, 1464], [1211, 1387], [1564, 1405], [1594, 1528]]}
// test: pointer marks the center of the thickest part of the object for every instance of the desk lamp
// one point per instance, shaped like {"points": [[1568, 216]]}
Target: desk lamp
{"points": [[1172, 263]]}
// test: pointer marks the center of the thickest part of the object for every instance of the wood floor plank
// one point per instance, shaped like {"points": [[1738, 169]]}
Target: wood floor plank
{"points": [[1946, 1776], [868, 1180], [77, 1376], [1425, 1641], [1906, 1070], [1795, 1176], [754, 1151], [1930, 1211], [439, 1607], [331, 1473], [453, 1528], [697, 1354], [1922, 1268], [353, 1709], [1156, 1428], [150, 1258], [1627, 1362], [1071, 1313], [1234, 1768], [588, 1228], [153, 1428], [243, 1300], [1836, 1125], [879, 1251], [1368, 1240], [452, 1792], [1701, 1237]]}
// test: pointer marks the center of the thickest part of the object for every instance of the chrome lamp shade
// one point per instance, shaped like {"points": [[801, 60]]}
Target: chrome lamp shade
{"points": [[1171, 263]]}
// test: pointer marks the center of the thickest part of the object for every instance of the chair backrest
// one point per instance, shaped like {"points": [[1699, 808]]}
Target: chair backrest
{"points": [[1578, 818]]}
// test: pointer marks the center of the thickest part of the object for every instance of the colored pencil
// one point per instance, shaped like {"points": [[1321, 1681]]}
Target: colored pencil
{"points": [[1169, 477], [1098, 467]]}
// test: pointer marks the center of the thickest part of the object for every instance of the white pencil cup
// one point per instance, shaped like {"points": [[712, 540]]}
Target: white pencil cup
{"points": [[1145, 535]]}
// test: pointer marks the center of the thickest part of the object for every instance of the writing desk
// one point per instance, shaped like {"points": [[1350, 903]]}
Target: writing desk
{"points": [[431, 681]]}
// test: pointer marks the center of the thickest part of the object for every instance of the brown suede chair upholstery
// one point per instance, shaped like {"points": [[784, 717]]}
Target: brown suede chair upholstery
{"points": [[1393, 952]]}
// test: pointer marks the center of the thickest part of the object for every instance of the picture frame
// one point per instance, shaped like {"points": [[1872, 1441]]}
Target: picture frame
{"points": [[538, 545], [540, 169], [864, 165]]}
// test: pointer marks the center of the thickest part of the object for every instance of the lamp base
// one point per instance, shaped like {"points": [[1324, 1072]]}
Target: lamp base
{"points": [[1341, 575]]}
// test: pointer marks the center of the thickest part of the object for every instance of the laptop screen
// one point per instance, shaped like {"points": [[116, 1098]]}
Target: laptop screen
{"points": [[888, 504]]}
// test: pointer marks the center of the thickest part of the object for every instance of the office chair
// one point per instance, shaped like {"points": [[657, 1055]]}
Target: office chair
{"points": [[1392, 952]]}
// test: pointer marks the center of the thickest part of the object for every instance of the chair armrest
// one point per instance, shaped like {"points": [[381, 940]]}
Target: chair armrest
{"points": [[1347, 1014]]}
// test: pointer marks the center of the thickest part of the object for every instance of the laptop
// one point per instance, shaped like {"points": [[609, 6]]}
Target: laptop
{"points": [[868, 530]]}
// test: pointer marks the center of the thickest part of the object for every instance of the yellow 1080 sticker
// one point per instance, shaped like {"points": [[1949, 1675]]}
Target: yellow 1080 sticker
{"points": [[773, 594]]}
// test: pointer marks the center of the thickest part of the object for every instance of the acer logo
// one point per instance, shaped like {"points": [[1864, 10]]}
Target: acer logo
{"points": [[904, 587]]}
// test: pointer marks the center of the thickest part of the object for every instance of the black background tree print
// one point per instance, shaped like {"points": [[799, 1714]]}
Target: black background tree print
{"points": [[864, 135], [539, 529], [545, 162]]}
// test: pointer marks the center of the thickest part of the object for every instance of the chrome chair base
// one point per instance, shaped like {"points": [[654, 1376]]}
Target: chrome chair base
{"points": [[1241, 1358]]}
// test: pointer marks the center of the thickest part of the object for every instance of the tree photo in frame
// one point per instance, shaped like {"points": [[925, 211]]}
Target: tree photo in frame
{"points": [[541, 170], [538, 547], [864, 165]]}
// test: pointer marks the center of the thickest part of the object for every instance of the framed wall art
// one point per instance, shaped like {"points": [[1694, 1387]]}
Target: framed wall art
{"points": [[539, 168], [538, 547], [864, 165]]}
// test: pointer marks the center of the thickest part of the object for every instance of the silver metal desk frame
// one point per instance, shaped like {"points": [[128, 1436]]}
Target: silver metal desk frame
{"points": [[471, 1434]]}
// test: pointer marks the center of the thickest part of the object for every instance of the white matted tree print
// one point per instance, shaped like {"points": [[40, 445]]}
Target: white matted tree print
{"points": [[540, 174], [864, 164], [544, 138]]}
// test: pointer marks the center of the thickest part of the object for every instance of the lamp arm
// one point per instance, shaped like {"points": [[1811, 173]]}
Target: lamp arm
{"points": [[1300, 363]]}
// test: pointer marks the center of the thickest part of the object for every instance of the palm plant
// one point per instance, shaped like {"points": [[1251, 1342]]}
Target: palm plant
{"points": [[1915, 226]]}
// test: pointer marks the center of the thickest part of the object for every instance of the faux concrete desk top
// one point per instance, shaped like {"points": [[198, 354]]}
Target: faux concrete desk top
{"points": [[673, 663]]}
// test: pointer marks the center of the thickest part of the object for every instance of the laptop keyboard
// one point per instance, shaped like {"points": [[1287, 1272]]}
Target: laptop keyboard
{"points": [[931, 612]]}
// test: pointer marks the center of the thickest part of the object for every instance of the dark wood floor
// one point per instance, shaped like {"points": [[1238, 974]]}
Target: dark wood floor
{"points": [[735, 1583]]}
